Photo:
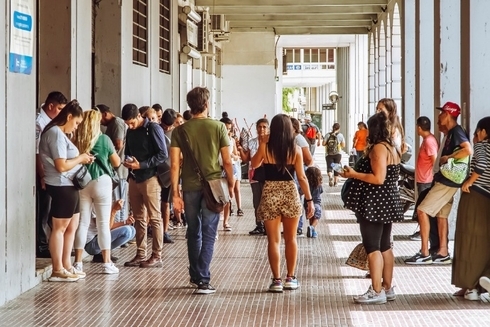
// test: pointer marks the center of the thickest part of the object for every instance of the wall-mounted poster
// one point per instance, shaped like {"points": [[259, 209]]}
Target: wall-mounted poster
{"points": [[21, 36]]}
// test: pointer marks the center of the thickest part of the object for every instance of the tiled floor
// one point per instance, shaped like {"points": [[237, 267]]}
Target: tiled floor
{"points": [[240, 272]]}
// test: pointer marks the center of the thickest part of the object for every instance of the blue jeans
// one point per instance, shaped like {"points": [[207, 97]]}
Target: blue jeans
{"points": [[119, 236], [202, 226]]}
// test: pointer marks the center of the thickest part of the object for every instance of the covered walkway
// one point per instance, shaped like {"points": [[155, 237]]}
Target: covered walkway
{"points": [[240, 272]]}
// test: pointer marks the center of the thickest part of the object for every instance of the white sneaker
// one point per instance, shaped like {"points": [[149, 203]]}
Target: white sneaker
{"points": [[390, 294], [371, 297], [472, 295], [110, 268], [63, 276], [485, 283], [77, 269]]}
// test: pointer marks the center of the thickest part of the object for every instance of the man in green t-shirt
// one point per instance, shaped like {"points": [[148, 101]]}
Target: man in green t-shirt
{"points": [[207, 139]]}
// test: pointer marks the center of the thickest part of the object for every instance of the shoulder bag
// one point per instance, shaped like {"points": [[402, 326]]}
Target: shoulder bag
{"points": [[81, 178], [163, 169], [113, 175], [215, 191], [456, 170]]}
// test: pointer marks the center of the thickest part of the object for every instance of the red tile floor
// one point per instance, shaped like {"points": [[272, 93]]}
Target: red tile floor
{"points": [[240, 272]]}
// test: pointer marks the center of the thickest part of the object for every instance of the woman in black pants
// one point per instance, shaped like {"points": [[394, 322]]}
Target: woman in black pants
{"points": [[375, 199]]}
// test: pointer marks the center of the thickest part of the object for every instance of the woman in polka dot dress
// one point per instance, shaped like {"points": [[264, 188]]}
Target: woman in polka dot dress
{"points": [[375, 199]]}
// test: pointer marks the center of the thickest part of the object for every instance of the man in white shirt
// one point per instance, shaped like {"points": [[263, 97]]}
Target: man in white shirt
{"points": [[51, 107]]}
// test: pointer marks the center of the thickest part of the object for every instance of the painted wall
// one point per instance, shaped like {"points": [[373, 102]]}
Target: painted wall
{"points": [[17, 191], [54, 48], [81, 58], [146, 85], [249, 86], [108, 56]]}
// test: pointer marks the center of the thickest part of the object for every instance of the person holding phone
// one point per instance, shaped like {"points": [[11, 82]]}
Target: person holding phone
{"points": [[98, 193], [61, 160]]}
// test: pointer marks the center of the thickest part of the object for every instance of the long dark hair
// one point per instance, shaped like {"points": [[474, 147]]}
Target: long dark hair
{"points": [[379, 131], [72, 108], [393, 118], [314, 176], [281, 141]]}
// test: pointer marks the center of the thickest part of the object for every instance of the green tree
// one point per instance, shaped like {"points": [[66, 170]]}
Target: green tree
{"points": [[285, 98]]}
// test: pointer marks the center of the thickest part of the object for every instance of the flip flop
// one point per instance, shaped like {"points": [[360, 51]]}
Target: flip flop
{"points": [[227, 228]]}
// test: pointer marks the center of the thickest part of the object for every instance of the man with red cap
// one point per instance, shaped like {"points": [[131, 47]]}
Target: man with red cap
{"points": [[439, 200]]}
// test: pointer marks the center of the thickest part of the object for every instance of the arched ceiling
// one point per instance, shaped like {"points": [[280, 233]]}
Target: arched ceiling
{"points": [[298, 17]]}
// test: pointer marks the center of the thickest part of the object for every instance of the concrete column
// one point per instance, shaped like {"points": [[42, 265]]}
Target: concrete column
{"points": [[198, 72], [396, 58], [371, 76], [249, 77], [426, 55], [360, 109], [410, 82], [376, 63], [388, 58], [81, 56], [344, 75], [382, 62], [479, 67], [108, 72], [185, 83], [17, 157], [54, 48], [450, 54]]}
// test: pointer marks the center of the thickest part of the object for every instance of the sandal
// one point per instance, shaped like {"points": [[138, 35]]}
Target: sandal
{"points": [[227, 228], [239, 212]]}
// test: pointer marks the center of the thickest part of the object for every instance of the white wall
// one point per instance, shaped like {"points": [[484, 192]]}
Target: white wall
{"points": [[479, 63], [81, 53], [17, 190], [147, 85], [249, 85]]}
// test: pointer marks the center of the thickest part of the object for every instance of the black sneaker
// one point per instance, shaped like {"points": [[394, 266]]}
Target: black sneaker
{"points": [[166, 238], [441, 260], [259, 230], [415, 236], [99, 258], [299, 232], [419, 259], [204, 288]]}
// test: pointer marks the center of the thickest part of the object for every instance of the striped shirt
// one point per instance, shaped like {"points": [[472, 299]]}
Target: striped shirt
{"points": [[480, 164]]}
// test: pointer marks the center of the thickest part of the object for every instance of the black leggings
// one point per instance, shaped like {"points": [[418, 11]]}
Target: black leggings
{"points": [[375, 236]]}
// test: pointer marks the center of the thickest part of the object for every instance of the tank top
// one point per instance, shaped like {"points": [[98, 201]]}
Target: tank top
{"points": [[272, 173]]}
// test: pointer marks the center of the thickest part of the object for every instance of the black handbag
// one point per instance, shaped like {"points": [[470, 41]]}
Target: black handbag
{"points": [[81, 178]]}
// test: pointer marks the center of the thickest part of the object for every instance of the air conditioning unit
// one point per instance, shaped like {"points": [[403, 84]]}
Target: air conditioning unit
{"points": [[203, 28], [219, 24], [221, 37]]}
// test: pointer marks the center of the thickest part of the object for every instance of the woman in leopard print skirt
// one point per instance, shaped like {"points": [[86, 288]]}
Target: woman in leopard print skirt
{"points": [[280, 202]]}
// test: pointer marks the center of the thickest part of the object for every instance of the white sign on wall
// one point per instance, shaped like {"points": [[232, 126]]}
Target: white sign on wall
{"points": [[21, 36]]}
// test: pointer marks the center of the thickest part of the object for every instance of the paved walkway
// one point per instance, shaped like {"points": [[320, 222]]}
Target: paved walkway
{"points": [[241, 274]]}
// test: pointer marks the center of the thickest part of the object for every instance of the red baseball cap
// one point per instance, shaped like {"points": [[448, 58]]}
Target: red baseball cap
{"points": [[451, 108]]}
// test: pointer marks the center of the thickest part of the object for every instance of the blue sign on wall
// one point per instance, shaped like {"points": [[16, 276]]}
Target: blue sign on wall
{"points": [[21, 37]]}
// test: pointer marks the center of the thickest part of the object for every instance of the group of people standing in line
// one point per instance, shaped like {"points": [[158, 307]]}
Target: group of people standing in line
{"points": [[280, 170]]}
